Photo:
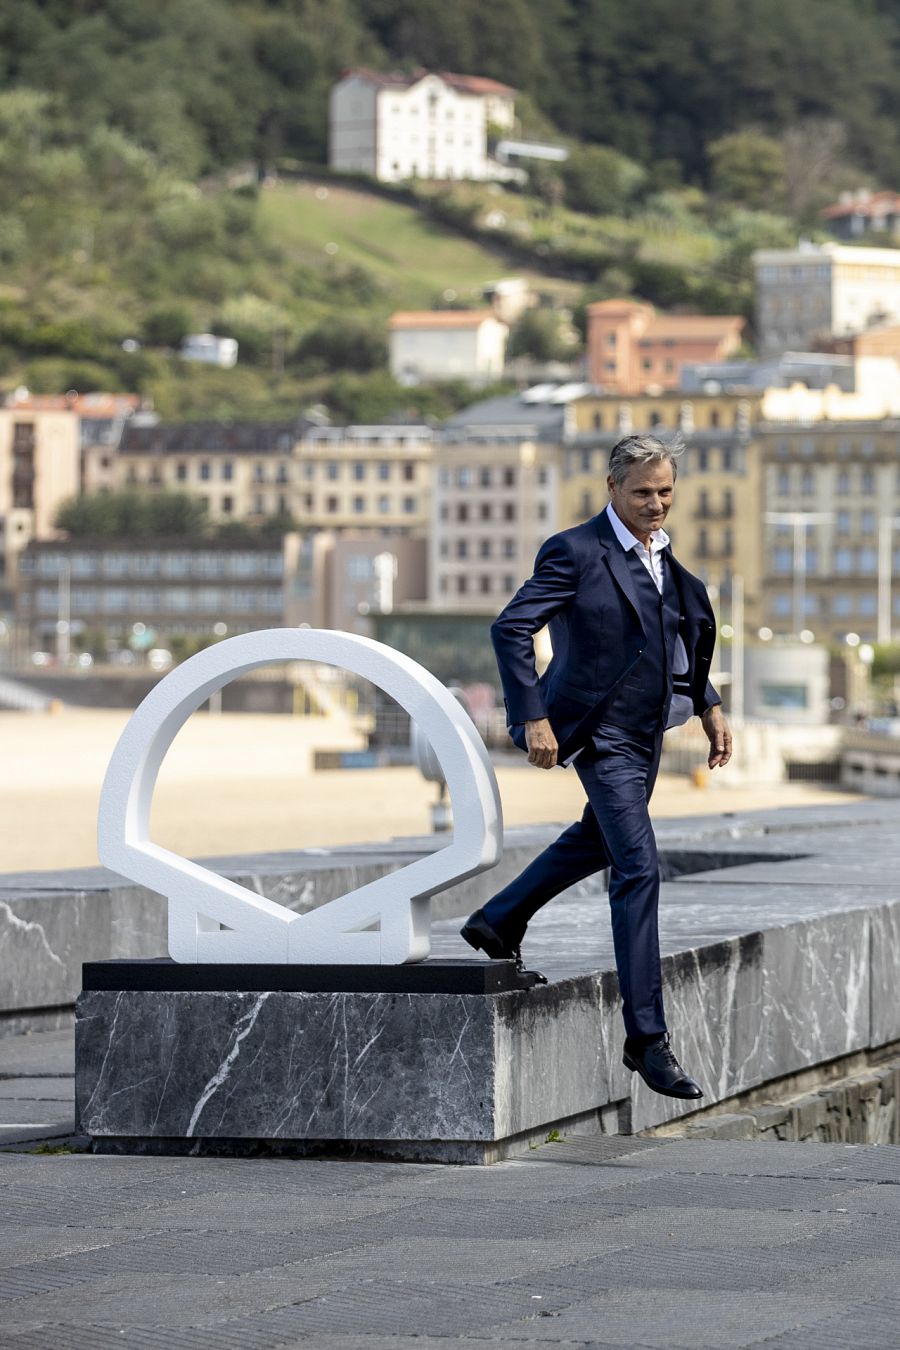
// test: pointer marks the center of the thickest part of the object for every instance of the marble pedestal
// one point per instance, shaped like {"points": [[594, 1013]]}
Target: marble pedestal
{"points": [[449, 1061]]}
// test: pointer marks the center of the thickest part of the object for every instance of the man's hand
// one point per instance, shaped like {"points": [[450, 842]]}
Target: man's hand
{"points": [[541, 742], [719, 735]]}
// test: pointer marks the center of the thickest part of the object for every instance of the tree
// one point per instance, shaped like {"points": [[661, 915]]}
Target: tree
{"points": [[343, 344], [133, 515], [749, 169], [600, 180], [537, 334]]}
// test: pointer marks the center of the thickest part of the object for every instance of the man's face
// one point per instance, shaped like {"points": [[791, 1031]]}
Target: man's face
{"points": [[642, 502]]}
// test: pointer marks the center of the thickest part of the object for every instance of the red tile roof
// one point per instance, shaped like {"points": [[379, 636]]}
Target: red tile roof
{"points": [[463, 84], [440, 318], [864, 204]]}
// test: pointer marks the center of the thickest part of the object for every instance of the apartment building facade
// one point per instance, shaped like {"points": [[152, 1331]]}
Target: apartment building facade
{"points": [[632, 349], [830, 532], [808, 294], [419, 125], [359, 477], [39, 470], [496, 498]]}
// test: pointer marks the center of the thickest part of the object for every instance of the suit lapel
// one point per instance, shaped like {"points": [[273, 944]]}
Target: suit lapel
{"points": [[617, 563]]}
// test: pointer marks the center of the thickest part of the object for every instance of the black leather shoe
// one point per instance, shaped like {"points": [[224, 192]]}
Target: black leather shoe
{"points": [[480, 935], [660, 1070]]}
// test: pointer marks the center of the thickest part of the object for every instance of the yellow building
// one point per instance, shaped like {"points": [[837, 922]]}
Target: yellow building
{"points": [[336, 478]]}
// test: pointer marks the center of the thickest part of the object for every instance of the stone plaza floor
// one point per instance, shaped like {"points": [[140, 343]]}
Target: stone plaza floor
{"points": [[583, 1242]]}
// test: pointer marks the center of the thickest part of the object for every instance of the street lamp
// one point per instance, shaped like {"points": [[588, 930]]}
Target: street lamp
{"points": [[886, 527], [800, 521]]}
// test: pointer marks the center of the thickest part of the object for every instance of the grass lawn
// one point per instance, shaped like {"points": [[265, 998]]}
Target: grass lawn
{"points": [[414, 259]]}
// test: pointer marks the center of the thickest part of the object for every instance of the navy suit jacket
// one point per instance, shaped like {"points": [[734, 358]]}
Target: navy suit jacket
{"points": [[583, 588]]}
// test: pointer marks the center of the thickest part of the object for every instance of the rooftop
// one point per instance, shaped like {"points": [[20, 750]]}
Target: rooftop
{"points": [[478, 85], [441, 318], [207, 437]]}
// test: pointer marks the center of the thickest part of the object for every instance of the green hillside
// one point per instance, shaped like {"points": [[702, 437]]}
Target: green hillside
{"points": [[695, 136]]}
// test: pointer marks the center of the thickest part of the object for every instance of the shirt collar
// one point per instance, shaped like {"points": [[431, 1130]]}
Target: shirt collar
{"points": [[658, 539]]}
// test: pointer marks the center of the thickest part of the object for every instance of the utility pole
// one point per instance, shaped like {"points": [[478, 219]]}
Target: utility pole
{"points": [[64, 613], [886, 527]]}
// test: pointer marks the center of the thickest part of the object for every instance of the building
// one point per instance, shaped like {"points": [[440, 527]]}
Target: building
{"points": [[101, 419], [210, 350], [39, 470], [863, 212], [419, 125], [359, 478], [806, 295], [364, 478], [631, 349], [447, 344], [353, 578], [496, 495], [831, 498], [240, 470], [168, 588]]}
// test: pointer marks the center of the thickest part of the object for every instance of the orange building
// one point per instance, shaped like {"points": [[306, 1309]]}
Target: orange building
{"points": [[633, 350]]}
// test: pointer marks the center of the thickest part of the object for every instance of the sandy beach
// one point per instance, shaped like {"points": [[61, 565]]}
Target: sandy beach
{"points": [[240, 783]]}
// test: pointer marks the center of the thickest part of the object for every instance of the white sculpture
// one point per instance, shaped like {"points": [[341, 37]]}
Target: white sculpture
{"points": [[212, 919]]}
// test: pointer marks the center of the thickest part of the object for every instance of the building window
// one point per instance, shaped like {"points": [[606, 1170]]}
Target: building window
{"points": [[586, 458], [484, 548], [227, 505], [462, 548], [509, 548], [598, 417], [868, 605], [462, 584], [409, 506], [484, 585], [782, 560], [703, 460], [842, 604], [445, 511], [509, 510], [462, 511], [463, 478], [843, 482], [359, 505], [384, 470], [842, 522], [181, 472], [484, 477], [587, 504], [867, 482], [509, 477], [807, 486], [227, 470], [867, 522], [843, 560], [331, 505], [409, 472], [728, 459], [542, 511], [485, 511], [384, 506], [205, 472], [332, 469], [868, 560], [784, 483]]}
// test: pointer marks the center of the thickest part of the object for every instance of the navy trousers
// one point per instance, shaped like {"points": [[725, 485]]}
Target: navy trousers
{"points": [[618, 773]]}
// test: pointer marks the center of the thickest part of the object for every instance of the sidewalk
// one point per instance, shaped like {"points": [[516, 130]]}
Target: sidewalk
{"points": [[587, 1242]]}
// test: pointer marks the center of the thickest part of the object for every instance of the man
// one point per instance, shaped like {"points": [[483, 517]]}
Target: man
{"points": [[633, 634]]}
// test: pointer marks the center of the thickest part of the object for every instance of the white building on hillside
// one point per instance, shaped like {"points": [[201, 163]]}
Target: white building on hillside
{"points": [[813, 292], [447, 344], [420, 125]]}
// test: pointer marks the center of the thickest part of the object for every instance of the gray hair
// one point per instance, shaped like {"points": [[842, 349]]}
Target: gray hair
{"points": [[643, 449]]}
